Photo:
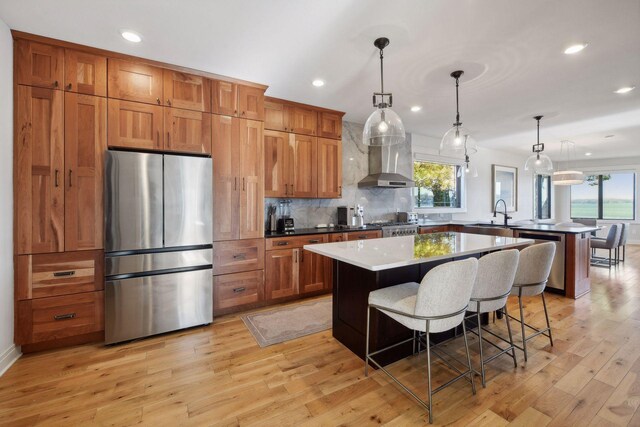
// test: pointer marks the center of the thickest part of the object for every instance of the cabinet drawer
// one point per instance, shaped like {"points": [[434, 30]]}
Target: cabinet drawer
{"points": [[53, 318], [232, 290], [433, 229], [48, 275], [363, 235], [295, 242], [238, 255]]}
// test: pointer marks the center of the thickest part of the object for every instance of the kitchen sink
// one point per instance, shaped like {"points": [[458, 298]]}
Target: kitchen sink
{"points": [[488, 225]]}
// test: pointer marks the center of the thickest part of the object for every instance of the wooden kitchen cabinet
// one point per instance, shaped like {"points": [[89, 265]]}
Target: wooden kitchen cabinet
{"points": [[276, 115], [39, 64], [303, 120], [238, 255], [186, 91], [238, 178], [337, 237], [236, 290], [39, 170], [364, 235], [278, 160], [329, 169], [282, 273], [134, 125], [187, 131], [329, 125], [85, 130], [133, 81], [225, 98], [85, 73], [251, 102], [315, 270], [304, 166]]}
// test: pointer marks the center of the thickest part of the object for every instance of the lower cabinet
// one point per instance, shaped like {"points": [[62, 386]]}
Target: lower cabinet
{"points": [[314, 272], [364, 235], [282, 267], [237, 289]]}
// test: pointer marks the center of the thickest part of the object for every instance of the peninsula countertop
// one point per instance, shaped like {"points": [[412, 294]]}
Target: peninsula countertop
{"points": [[392, 252]]}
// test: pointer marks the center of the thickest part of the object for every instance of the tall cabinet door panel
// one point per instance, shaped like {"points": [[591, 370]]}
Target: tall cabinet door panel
{"points": [[226, 162], [135, 125], [85, 73], [182, 90], [277, 167], [187, 131], [85, 129], [304, 171], [252, 177], [329, 168], [38, 171], [303, 120], [282, 273], [225, 98], [39, 64], [135, 82], [315, 271], [251, 102]]}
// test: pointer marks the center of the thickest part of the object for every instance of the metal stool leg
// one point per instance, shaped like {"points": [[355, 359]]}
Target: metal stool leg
{"points": [[428, 345], [484, 384], [513, 349], [466, 347], [546, 315], [366, 348], [524, 338]]}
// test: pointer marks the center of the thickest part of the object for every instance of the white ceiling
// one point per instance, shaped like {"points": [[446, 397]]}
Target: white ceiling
{"points": [[511, 51]]}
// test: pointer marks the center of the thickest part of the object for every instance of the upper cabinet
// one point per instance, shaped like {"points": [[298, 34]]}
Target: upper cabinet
{"points": [[187, 91], [330, 125], [251, 102], [329, 168], [39, 64], [276, 115], [225, 98], [303, 120], [85, 73], [134, 125], [287, 116], [187, 131], [133, 81]]}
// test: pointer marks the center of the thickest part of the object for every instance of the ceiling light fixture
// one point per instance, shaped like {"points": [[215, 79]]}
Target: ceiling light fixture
{"points": [[383, 127], [568, 176], [318, 83], [625, 89], [539, 163], [457, 140], [575, 48], [131, 36], [416, 108], [588, 153]]}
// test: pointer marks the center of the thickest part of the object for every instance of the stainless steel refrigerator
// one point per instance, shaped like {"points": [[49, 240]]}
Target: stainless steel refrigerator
{"points": [[158, 244]]}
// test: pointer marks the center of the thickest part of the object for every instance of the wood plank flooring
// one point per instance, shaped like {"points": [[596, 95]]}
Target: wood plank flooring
{"points": [[218, 376]]}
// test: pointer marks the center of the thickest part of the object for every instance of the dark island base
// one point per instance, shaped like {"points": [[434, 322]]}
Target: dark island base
{"points": [[351, 287]]}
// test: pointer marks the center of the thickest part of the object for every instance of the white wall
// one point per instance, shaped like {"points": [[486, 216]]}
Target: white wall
{"points": [[479, 204], [8, 352]]}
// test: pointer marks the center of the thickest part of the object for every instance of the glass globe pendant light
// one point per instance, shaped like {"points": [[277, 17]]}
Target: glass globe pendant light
{"points": [[469, 169], [539, 163], [457, 140], [383, 127]]}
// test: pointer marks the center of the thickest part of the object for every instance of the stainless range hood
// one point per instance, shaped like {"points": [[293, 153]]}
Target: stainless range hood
{"points": [[383, 167]]}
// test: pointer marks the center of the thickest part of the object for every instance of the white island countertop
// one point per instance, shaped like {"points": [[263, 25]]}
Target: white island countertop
{"points": [[392, 252]]}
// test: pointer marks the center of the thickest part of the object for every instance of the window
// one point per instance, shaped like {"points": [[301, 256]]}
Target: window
{"points": [[605, 196], [438, 185], [543, 196]]}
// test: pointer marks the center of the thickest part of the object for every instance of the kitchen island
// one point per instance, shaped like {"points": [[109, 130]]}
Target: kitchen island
{"points": [[360, 267]]}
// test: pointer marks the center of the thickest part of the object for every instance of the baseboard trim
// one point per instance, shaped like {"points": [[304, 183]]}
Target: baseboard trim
{"points": [[8, 358]]}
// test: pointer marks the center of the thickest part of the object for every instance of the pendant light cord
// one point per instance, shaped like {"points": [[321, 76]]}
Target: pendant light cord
{"points": [[457, 105], [381, 73]]}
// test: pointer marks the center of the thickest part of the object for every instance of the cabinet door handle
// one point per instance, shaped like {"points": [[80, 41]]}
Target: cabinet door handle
{"points": [[282, 243], [292, 191], [69, 86], [70, 182], [243, 186], [57, 178], [239, 256], [168, 102], [302, 255], [158, 101], [158, 138], [314, 241], [238, 290], [64, 273], [362, 237], [286, 189], [55, 84], [295, 258], [168, 138], [64, 316]]}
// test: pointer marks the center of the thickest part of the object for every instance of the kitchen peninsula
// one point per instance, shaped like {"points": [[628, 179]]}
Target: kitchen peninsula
{"points": [[365, 265]]}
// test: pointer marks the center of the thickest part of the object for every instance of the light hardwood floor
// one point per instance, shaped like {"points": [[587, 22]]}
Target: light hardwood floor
{"points": [[217, 375]]}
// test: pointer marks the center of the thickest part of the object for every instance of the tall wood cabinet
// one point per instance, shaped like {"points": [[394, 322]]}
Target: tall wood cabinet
{"points": [[329, 168], [290, 163]]}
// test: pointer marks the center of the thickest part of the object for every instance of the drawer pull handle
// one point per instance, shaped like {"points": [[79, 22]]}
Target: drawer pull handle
{"points": [[239, 256], [362, 237], [238, 290], [282, 243], [314, 241], [64, 273], [64, 316]]}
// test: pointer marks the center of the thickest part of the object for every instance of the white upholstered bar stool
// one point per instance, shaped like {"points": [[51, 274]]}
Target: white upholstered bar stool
{"points": [[496, 272], [533, 271], [437, 304]]}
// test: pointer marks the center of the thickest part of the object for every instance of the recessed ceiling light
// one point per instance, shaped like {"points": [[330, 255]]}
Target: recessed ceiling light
{"points": [[131, 36], [609, 136], [588, 153], [575, 48], [625, 89], [416, 108], [318, 83]]}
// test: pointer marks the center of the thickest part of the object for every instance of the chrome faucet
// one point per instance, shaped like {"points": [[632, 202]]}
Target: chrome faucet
{"points": [[506, 215]]}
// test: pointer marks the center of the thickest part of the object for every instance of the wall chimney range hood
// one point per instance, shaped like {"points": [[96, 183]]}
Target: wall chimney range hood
{"points": [[383, 165]]}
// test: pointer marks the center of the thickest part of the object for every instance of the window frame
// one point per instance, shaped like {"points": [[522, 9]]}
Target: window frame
{"points": [[425, 158], [600, 215], [537, 188]]}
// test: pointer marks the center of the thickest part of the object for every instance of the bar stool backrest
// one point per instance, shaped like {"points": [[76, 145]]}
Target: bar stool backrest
{"points": [[624, 233], [496, 272], [444, 290], [534, 267], [613, 237]]}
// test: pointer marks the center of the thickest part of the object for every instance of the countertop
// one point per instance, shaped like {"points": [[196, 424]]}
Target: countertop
{"points": [[392, 252]]}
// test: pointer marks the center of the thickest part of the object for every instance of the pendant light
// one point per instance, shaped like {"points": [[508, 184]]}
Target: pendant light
{"points": [[539, 163], [469, 169], [383, 127], [457, 140], [568, 176]]}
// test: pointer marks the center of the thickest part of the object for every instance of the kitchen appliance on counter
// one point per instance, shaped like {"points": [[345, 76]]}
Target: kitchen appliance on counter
{"points": [[351, 217], [158, 244], [285, 222], [410, 217]]}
